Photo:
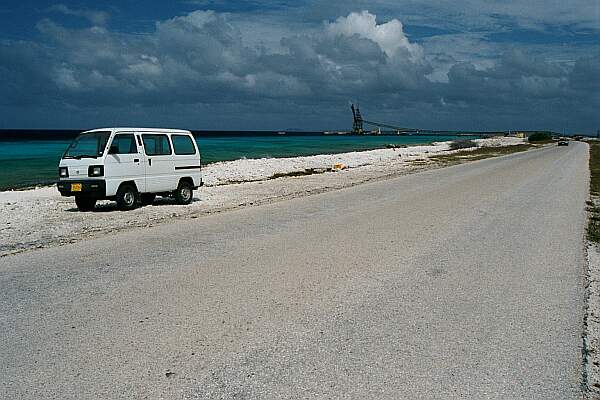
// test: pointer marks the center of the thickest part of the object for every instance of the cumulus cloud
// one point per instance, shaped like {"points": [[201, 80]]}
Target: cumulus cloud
{"points": [[389, 36], [202, 52], [201, 60]]}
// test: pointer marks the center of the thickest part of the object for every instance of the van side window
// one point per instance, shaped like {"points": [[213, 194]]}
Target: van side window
{"points": [[156, 145], [182, 144], [123, 144]]}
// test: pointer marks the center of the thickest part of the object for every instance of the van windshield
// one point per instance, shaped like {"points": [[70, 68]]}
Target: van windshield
{"points": [[88, 145]]}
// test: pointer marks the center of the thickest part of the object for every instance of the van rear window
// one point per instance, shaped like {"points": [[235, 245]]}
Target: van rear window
{"points": [[156, 145], [183, 145]]}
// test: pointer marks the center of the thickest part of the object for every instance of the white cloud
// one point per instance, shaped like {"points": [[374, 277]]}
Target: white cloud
{"points": [[65, 78], [95, 17], [389, 36]]}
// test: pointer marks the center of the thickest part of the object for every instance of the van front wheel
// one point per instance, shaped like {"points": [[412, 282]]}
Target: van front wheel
{"points": [[184, 193], [127, 197], [85, 203]]}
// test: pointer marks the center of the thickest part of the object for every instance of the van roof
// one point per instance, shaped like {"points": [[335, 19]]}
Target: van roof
{"points": [[132, 129]]}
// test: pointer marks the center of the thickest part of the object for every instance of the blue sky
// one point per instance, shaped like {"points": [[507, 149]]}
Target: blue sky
{"points": [[213, 64]]}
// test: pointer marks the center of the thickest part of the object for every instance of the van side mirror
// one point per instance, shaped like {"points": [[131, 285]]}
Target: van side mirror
{"points": [[113, 149]]}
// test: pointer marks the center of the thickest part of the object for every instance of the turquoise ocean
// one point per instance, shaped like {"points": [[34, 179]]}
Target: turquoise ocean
{"points": [[31, 158]]}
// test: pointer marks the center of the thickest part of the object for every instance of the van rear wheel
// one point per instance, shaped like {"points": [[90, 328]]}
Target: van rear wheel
{"points": [[85, 203], [184, 193], [127, 197]]}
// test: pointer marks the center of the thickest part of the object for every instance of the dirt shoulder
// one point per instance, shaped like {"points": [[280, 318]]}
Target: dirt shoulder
{"points": [[591, 334]]}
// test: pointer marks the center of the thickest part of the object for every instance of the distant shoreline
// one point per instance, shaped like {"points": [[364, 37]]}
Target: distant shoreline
{"points": [[28, 163], [68, 134], [52, 182], [290, 160]]}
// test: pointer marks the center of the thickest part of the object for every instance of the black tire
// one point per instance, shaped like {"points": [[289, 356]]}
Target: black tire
{"points": [[184, 193], [147, 198], [127, 197], [85, 203]]}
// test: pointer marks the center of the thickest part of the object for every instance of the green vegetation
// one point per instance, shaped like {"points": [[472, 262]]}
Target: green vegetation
{"points": [[480, 153], [462, 144], [540, 137], [593, 232]]}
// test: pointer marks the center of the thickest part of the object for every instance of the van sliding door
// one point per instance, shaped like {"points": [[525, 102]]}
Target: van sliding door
{"points": [[125, 161], [159, 163]]}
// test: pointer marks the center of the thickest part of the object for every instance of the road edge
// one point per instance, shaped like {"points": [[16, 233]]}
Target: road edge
{"points": [[590, 379]]}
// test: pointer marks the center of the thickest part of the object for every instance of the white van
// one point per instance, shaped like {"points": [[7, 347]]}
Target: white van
{"points": [[131, 166]]}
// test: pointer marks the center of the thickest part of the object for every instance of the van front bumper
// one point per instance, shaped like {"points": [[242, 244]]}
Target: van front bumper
{"points": [[90, 188]]}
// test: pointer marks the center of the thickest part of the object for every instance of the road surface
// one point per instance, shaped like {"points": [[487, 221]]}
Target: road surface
{"points": [[464, 282]]}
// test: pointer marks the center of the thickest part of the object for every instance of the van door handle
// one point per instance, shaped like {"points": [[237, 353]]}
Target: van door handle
{"points": [[136, 160], [150, 161]]}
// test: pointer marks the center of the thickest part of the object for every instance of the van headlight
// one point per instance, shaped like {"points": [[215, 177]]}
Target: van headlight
{"points": [[96, 170], [63, 172]]}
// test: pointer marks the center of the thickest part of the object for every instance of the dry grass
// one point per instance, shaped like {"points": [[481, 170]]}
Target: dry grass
{"points": [[480, 153], [462, 144], [308, 171], [593, 231], [594, 168]]}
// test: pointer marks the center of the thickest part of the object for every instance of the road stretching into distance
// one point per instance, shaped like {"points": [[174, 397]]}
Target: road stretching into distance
{"points": [[462, 282]]}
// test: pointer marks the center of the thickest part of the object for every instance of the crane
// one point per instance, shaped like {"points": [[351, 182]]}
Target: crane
{"points": [[357, 124], [358, 121]]}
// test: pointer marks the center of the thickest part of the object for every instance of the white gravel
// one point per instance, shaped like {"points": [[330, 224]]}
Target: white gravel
{"points": [[263, 168], [593, 321]]}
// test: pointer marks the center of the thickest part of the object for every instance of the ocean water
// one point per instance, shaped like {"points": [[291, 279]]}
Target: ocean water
{"points": [[34, 159]]}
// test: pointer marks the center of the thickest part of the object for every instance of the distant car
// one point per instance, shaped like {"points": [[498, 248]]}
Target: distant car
{"points": [[563, 142]]}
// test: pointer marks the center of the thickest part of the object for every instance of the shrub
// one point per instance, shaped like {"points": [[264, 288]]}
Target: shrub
{"points": [[539, 137], [462, 144]]}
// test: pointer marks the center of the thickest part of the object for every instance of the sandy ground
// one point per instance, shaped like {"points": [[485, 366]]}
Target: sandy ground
{"points": [[41, 217]]}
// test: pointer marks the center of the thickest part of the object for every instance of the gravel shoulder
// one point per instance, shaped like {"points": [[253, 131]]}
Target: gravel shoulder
{"points": [[592, 323]]}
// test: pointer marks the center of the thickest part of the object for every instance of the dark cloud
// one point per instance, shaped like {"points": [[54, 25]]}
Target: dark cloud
{"points": [[586, 76], [201, 61]]}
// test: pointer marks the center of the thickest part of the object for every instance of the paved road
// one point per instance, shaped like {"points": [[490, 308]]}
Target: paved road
{"points": [[465, 282]]}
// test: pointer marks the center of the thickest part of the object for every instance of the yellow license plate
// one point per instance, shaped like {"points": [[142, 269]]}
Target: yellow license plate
{"points": [[75, 187]]}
